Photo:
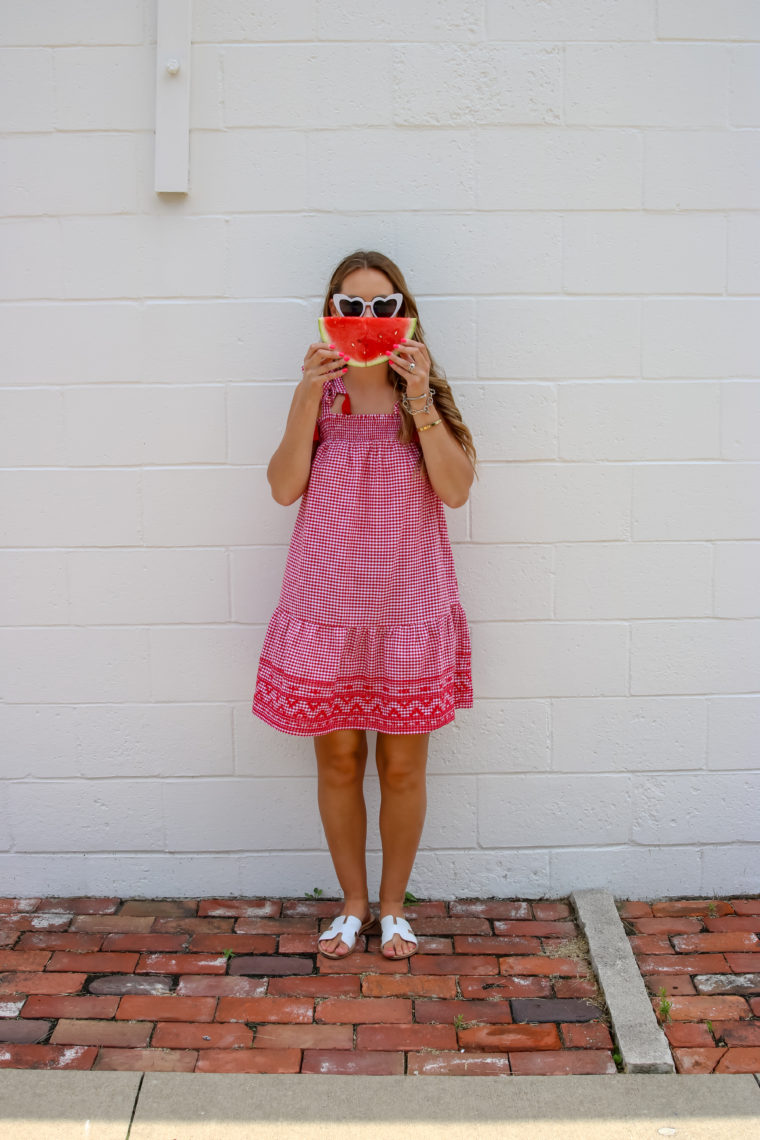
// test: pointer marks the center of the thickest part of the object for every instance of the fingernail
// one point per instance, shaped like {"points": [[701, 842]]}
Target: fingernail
{"points": [[331, 346]]}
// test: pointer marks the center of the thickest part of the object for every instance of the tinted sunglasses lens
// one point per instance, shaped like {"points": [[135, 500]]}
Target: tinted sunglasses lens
{"points": [[350, 307], [385, 306]]}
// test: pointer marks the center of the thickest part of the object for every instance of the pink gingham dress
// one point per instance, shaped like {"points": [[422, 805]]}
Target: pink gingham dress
{"points": [[369, 631]]}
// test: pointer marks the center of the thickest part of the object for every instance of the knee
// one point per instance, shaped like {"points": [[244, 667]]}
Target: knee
{"points": [[400, 776], [343, 765]]}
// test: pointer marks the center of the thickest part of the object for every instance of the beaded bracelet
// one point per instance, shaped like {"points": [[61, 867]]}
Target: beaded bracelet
{"points": [[424, 427]]}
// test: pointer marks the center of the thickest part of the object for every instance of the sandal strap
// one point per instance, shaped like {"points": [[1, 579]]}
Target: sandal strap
{"points": [[345, 925], [391, 925]]}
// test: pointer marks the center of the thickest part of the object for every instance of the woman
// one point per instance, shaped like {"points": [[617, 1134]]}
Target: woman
{"points": [[369, 632]]}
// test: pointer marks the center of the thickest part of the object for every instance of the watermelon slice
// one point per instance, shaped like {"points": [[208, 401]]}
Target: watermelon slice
{"points": [[366, 340]]}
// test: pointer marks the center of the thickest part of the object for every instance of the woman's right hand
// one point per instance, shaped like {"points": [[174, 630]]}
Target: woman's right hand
{"points": [[321, 363]]}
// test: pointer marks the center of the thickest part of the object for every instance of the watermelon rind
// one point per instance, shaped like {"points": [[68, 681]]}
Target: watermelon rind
{"points": [[409, 324]]}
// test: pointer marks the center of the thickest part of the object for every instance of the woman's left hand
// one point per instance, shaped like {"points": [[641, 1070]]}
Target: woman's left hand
{"points": [[411, 360]]}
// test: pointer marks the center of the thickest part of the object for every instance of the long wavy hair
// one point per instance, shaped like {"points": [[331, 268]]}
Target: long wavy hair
{"points": [[439, 385]]}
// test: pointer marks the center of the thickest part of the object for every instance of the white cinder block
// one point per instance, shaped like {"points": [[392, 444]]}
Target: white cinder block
{"points": [[558, 168], [105, 88], [197, 341], [641, 421], [655, 868], [457, 521], [481, 253], [294, 85], [213, 506], [737, 574], [628, 734], [398, 21], [258, 265], [261, 750], [87, 740], [32, 427], [740, 420], [700, 337], [450, 333], [669, 809], [505, 583], [451, 818], [6, 840], [31, 254], [27, 97], [143, 257], [256, 419], [204, 663], [510, 421], [569, 20], [64, 172], [157, 424], [70, 343], [263, 170], [549, 809], [56, 507], [256, 579], [701, 169], [646, 85], [744, 90], [696, 500], [704, 20], [743, 253], [84, 22], [69, 664], [619, 252], [494, 736], [549, 659], [435, 170], [558, 337], [633, 580], [711, 656], [248, 814], [206, 101], [85, 815], [142, 587], [729, 870], [551, 502], [733, 735], [35, 589], [295, 20], [441, 85]]}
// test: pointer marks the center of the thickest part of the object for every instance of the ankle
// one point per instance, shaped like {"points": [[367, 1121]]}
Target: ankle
{"points": [[391, 906], [356, 904]]}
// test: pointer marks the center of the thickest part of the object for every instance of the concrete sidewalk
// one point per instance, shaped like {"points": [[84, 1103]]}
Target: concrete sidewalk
{"points": [[66, 1105]]}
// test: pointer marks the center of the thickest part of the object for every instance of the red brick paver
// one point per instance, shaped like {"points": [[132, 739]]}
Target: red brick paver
{"points": [[498, 986], [703, 977]]}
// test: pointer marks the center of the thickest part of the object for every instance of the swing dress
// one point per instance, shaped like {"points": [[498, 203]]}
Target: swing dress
{"points": [[369, 631]]}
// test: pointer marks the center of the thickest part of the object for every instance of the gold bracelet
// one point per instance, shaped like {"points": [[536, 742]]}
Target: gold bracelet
{"points": [[424, 427]]}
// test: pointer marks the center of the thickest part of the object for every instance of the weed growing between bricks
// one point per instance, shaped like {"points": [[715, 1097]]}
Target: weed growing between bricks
{"points": [[700, 961]]}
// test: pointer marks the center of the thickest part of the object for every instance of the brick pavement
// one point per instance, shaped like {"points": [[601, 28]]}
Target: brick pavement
{"points": [[236, 985], [705, 955]]}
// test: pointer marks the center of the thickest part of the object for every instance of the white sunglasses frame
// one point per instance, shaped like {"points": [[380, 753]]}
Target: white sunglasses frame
{"points": [[398, 297]]}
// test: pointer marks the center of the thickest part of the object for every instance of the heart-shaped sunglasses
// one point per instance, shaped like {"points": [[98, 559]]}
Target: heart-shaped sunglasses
{"points": [[378, 306]]}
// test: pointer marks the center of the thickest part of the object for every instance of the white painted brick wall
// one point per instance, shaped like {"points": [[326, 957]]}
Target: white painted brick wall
{"points": [[573, 190]]}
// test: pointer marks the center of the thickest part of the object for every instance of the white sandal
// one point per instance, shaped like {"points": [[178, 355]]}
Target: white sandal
{"points": [[398, 925], [348, 926]]}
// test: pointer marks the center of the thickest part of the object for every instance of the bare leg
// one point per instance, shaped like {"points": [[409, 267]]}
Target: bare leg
{"points": [[341, 760], [401, 762]]}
